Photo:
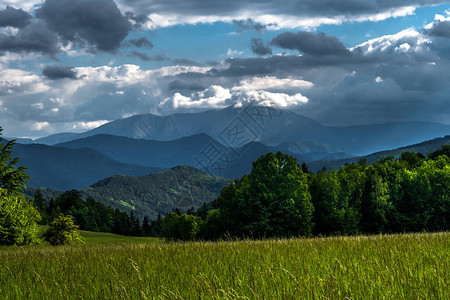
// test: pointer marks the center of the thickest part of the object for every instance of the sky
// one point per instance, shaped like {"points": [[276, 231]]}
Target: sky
{"points": [[73, 65]]}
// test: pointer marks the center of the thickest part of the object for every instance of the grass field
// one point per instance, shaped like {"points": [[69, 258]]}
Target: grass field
{"points": [[410, 266]]}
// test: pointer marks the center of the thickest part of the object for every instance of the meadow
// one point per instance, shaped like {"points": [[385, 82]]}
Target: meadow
{"points": [[408, 266]]}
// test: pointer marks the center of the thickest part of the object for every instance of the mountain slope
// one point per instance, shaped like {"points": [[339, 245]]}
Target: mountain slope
{"points": [[62, 169], [195, 151], [268, 126], [181, 187], [423, 148]]}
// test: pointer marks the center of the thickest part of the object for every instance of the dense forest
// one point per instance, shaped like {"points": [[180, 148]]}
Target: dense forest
{"points": [[280, 198]]}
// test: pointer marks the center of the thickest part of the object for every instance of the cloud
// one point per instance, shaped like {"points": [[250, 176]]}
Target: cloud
{"points": [[35, 37], [141, 42], [89, 125], [258, 47], [440, 28], [267, 91], [14, 17], [59, 72], [38, 126], [310, 43], [272, 83], [249, 24], [284, 13], [138, 20], [98, 23], [145, 57], [17, 83]]}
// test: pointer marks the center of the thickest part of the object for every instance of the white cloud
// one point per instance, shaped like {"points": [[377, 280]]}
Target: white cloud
{"points": [[38, 105], [408, 39], [256, 89], [17, 82], [234, 52], [38, 126], [271, 99], [213, 97], [277, 21], [272, 83], [378, 79], [89, 125]]}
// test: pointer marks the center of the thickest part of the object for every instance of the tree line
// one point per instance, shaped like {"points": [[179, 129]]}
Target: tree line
{"points": [[280, 198]]}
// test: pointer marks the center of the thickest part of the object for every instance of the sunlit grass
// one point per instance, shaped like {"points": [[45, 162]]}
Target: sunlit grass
{"points": [[411, 266]]}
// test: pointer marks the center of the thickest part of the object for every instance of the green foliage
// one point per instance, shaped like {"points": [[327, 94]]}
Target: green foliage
{"points": [[18, 217], [63, 231], [182, 227], [443, 150], [18, 220], [12, 179], [150, 195], [277, 199], [88, 214], [272, 201]]}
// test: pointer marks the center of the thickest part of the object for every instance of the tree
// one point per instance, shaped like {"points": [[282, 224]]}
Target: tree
{"points": [[63, 231], [146, 228], [443, 150], [272, 201], [18, 219], [180, 227], [12, 179]]}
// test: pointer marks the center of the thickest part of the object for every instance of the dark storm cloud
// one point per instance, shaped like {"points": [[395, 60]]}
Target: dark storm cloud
{"points": [[249, 24], [185, 62], [258, 47], [310, 43], [440, 29], [35, 37], [137, 20], [145, 57], [141, 42], [179, 85], [303, 8], [98, 23], [59, 72], [14, 17]]}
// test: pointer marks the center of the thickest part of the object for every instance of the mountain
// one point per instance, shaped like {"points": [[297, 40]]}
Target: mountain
{"points": [[181, 187], [423, 148], [57, 138], [196, 150], [62, 168], [234, 127]]}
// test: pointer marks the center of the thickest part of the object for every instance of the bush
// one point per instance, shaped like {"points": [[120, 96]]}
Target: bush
{"points": [[63, 231], [18, 219]]}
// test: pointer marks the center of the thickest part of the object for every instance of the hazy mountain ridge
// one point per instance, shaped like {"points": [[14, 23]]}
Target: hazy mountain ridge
{"points": [[62, 168], [188, 150], [423, 148], [269, 126]]}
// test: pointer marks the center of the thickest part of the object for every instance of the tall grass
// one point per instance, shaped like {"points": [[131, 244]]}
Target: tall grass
{"points": [[411, 266]]}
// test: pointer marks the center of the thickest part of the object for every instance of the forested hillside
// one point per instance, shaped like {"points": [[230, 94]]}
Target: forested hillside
{"points": [[181, 187]]}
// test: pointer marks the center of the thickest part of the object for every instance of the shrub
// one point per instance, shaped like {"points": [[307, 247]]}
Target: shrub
{"points": [[63, 231], [18, 219]]}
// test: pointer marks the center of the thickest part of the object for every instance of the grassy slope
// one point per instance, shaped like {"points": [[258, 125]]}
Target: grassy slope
{"points": [[104, 238], [389, 266]]}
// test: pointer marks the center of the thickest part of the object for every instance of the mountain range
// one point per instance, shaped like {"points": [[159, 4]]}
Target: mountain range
{"points": [[424, 148], [63, 168], [221, 142], [235, 127], [184, 187]]}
